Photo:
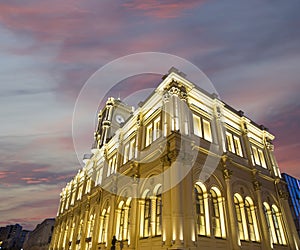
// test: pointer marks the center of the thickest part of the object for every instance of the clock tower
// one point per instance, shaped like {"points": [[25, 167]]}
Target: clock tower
{"points": [[111, 118]]}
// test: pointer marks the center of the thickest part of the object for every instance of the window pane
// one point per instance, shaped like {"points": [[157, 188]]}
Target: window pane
{"points": [[262, 158], [255, 155], [156, 132], [197, 125], [200, 211], [126, 153], [149, 134], [230, 144], [132, 149], [207, 130], [238, 147], [216, 215]]}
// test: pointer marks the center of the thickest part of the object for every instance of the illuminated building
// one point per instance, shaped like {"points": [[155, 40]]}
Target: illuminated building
{"points": [[293, 186], [242, 204]]}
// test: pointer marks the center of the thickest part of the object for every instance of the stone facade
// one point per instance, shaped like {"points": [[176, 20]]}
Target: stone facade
{"points": [[182, 171]]}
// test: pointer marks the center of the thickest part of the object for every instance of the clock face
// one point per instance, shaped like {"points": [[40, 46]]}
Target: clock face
{"points": [[119, 119]]}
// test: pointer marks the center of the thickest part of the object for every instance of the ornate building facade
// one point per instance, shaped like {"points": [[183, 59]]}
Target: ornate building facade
{"points": [[182, 171]]}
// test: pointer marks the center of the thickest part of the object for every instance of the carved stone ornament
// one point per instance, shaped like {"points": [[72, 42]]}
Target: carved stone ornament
{"points": [[256, 185], [283, 194], [270, 146], [166, 96], [227, 173]]}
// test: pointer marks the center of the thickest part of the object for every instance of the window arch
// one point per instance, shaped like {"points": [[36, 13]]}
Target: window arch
{"points": [[201, 209], [218, 221], [90, 226], [123, 212], [252, 220], [104, 219], [158, 211], [72, 231], [278, 225], [80, 229], [240, 216], [147, 216], [275, 225]]}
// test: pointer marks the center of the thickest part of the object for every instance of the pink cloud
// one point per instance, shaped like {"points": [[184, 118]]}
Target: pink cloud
{"points": [[163, 10]]}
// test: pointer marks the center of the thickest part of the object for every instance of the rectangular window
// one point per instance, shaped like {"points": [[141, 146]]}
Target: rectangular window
{"points": [[73, 197], [238, 146], [88, 186], [234, 144], [262, 158], [67, 201], [258, 156], [79, 192], [230, 144], [129, 151], [132, 149], [153, 131], [62, 206], [202, 128], [197, 125], [149, 135], [156, 131], [99, 177], [126, 152], [207, 130], [255, 155], [112, 165]]}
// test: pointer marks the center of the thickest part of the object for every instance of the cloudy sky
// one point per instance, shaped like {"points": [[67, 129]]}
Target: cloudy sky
{"points": [[250, 50]]}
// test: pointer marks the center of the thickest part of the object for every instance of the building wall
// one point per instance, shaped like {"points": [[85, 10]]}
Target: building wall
{"points": [[293, 185], [40, 237], [230, 197], [12, 237]]}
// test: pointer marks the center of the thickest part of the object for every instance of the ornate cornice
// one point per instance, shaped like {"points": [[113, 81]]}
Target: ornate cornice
{"points": [[177, 89]]}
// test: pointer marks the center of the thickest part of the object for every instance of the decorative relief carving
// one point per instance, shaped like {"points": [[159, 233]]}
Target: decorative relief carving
{"points": [[172, 155], [165, 161], [177, 89], [283, 194], [138, 120], [256, 185], [227, 173], [270, 146], [218, 112], [166, 96]]}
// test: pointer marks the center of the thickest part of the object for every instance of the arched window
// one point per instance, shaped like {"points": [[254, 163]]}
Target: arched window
{"points": [[252, 220], [200, 210], [80, 229], [158, 212], [90, 226], [278, 225], [239, 206], [147, 216], [275, 224], [72, 231], [104, 220], [122, 229], [218, 221]]}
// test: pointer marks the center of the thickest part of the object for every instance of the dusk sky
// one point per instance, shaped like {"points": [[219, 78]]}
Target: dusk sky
{"points": [[250, 50]]}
